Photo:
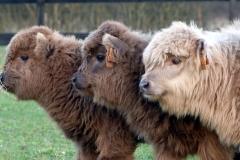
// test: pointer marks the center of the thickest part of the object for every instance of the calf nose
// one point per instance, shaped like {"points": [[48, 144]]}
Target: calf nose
{"points": [[74, 79], [76, 82], [1, 78], [143, 85]]}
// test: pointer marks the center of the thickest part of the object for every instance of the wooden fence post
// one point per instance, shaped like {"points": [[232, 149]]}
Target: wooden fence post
{"points": [[40, 11], [232, 9]]}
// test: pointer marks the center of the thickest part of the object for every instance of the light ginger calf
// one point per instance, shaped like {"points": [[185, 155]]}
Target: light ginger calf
{"points": [[196, 72]]}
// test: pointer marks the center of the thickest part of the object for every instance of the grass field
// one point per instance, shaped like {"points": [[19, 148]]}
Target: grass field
{"points": [[27, 133]]}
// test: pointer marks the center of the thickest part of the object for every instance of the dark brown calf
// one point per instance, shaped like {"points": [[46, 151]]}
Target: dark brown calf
{"points": [[39, 66], [111, 78]]}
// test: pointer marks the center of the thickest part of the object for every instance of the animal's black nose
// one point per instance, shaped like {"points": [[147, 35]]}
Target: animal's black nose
{"points": [[74, 79], [75, 82], [1, 78], [143, 85]]}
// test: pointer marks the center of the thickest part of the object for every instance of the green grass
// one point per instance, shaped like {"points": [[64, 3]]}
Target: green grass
{"points": [[26, 132]]}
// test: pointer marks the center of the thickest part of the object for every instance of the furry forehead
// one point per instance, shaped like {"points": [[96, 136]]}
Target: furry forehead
{"points": [[25, 37], [179, 39], [115, 29], [233, 27], [94, 39]]}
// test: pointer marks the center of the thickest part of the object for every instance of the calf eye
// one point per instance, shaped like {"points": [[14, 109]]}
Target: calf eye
{"points": [[24, 57], [100, 58], [176, 61]]}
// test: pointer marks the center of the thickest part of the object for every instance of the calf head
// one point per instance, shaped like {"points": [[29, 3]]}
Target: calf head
{"points": [[108, 66], [31, 62], [98, 80], [174, 61]]}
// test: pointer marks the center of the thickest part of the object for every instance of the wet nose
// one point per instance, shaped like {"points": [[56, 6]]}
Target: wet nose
{"points": [[1, 78], [143, 85]]}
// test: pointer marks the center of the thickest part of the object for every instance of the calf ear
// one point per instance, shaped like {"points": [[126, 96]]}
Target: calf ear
{"points": [[202, 52], [43, 46], [116, 49]]}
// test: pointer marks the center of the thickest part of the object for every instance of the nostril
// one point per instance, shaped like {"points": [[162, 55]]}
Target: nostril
{"points": [[74, 79], [144, 84], [1, 78]]}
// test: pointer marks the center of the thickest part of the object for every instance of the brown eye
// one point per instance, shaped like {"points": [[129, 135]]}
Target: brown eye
{"points": [[176, 61], [24, 57]]}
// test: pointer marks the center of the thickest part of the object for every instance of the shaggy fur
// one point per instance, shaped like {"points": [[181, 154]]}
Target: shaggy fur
{"points": [[117, 87], [211, 94], [39, 66]]}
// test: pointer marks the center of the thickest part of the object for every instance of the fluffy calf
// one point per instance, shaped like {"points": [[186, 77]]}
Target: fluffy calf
{"points": [[190, 71], [110, 74], [39, 66]]}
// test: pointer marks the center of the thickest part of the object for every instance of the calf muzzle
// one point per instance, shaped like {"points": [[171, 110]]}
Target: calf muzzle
{"points": [[74, 81], [79, 81], [143, 85]]}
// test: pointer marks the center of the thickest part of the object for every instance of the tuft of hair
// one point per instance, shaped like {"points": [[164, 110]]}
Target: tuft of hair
{"points": [[166, 38], [116, 29]]}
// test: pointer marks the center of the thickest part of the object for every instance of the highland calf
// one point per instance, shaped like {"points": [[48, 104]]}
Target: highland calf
{"points": [[110, 74], [39, 66], [195, 72]]}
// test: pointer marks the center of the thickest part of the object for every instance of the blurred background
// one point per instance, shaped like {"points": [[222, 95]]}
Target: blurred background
{"points": [[85, 16]]}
